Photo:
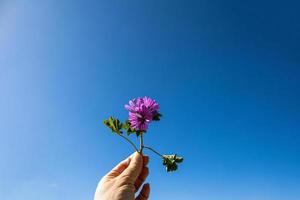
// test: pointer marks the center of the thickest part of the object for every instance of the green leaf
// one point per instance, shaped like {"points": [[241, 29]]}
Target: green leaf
{"points": [[126, 126], [114, 124], [157, 117], [171, 161]]}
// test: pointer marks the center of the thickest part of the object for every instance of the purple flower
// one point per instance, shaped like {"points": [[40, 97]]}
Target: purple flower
{"points": [[141, 112], [151, 104]]}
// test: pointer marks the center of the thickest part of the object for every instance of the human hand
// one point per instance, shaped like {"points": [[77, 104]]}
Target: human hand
{"points": [[122, 182]]}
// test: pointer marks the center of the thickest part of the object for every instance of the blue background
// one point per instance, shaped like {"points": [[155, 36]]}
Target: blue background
{"points": [[226, 74]]}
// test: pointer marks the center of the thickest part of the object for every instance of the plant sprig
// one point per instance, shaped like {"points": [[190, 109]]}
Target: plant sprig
{"points": [[141, 112]]}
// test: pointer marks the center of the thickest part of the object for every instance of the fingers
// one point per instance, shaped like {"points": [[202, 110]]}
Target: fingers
{"points": [[119, 168], [145, 160], [142, 177], [134, 168], [145, 192]]}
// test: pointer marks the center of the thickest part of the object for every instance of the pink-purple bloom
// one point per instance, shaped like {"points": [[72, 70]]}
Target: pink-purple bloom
{"points": [[141, 112]]}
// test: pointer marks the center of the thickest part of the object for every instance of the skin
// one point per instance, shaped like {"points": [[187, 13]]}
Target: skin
{"points": [[123, 181]]}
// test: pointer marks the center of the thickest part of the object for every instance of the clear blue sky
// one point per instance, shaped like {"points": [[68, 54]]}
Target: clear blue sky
{"points": [[226, 74]]}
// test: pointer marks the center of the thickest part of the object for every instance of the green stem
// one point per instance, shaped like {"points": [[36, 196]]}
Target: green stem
{"points": [[141, 143], [129, 142], [154, 151]]}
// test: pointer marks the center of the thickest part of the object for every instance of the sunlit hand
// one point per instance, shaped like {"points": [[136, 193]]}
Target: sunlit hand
{"points": [[122, 182]]}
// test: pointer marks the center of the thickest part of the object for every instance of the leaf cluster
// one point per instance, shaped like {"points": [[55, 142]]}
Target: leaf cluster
{"points": [[171, 161], [156, 116], [116, 126]]}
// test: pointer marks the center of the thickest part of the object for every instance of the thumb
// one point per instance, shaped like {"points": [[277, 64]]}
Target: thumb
{"points": [[134, 168]]}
